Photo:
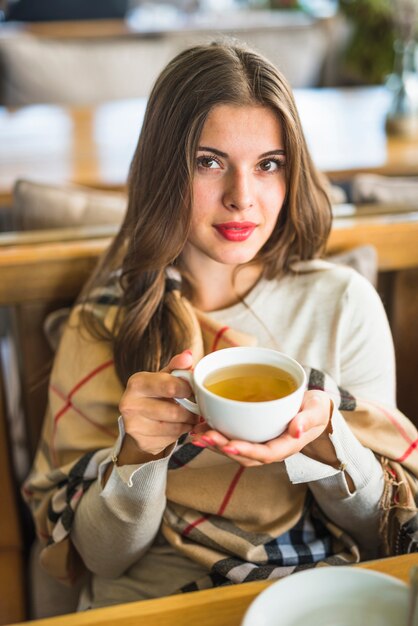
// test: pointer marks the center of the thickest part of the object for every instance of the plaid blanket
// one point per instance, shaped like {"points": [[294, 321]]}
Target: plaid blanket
{"points": [[236, 524]]}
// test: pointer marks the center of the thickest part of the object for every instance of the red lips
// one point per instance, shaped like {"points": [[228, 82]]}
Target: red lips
{"points": [[235, 231]]}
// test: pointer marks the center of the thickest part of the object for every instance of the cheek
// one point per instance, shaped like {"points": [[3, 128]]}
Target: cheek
{"points": [[204, 202], [273, 200], [281, 190], [273, 184], [203, 192]]}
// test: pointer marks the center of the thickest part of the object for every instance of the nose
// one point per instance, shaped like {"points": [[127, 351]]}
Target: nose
{"points": [[239, 192]]}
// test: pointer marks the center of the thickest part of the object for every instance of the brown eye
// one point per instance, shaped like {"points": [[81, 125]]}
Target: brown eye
{"points": [[208, 162], [271, 165]]}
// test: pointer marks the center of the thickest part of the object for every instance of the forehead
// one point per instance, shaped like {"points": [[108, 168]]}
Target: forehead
{"points": [[249, 124]]}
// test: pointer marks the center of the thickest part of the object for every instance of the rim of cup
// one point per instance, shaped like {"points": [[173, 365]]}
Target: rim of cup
{"points": [[199, 379]]}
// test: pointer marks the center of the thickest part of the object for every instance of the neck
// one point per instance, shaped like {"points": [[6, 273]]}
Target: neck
{"points": [[221, 289]]}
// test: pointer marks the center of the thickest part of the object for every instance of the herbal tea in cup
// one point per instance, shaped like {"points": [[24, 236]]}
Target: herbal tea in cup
{"points": [[246, 393]]}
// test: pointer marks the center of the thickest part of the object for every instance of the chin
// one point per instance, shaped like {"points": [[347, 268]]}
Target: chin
{"points": [[236, 258]]}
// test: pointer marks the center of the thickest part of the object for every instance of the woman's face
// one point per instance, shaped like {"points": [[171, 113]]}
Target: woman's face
{"points": [[238, 185]]}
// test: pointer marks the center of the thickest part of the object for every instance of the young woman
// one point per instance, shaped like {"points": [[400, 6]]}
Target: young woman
{"points": [[227, 220]]}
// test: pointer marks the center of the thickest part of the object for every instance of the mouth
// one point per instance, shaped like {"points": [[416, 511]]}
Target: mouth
{"points": [[235, 231]]}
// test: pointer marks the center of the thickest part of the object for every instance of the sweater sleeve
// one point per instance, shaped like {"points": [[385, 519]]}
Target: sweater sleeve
{"points": [[79, 429], [367, 368], [131, 506], [365, 344], [356, 512]]}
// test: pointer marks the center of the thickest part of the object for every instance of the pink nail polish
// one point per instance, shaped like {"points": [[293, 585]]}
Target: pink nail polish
{"points": [[299, 432], [230, 450], [199, 444], [207, 440]]}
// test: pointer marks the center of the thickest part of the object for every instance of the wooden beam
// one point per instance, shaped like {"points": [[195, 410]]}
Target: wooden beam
{"points": [[394, 235]]}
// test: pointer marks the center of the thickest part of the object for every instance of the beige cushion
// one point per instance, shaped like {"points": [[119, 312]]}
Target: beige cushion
{"points": [[376, 188], [38, 206], [337, 194], [363, 259], [87, 71], [77, 71]]}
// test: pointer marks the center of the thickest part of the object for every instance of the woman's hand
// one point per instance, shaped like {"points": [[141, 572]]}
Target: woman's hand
{"points": [[306, 432], [153, 420]]}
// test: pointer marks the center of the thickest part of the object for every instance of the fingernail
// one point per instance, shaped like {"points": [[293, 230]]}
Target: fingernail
{"points": [[207, 440], [201, 419], [199, 444], [188, 352], [192, 432], [299, 432], [230, 450]]}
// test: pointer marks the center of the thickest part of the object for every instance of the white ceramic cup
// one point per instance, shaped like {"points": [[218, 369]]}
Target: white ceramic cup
{"points": [[249, 421]]}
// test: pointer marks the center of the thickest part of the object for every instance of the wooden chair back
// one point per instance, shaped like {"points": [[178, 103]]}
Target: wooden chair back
{"points": [[39, 272]]}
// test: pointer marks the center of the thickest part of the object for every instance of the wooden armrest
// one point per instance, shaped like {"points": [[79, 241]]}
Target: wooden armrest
{"points": [[368, 209], [51, 235], [392, 229], [47, 271]]}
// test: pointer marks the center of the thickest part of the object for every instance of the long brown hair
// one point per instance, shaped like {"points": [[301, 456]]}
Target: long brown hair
{"points": [[153, 324]]}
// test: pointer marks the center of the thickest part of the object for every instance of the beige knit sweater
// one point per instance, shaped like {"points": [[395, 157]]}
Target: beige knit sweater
{"points": [[216, 515]]}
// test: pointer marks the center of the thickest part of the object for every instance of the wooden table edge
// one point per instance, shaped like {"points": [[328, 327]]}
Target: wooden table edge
{"points": [[228, 600]]}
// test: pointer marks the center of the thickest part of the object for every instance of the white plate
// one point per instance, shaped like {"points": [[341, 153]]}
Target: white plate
{"points": [[331, 596]]}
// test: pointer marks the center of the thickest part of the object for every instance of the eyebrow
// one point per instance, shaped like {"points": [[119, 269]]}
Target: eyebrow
{"points": [[225, 155]]}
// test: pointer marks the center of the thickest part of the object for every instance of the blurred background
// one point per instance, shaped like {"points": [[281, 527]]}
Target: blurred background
{"points": [[74, 80], [315, 42]]}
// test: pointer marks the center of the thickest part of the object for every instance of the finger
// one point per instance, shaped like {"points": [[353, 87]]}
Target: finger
{"points": [[256, 452], [214, 438], [207, 441], [164, 410], [182, 361], [314, 415], [157, 385], [153, 428], [218, 442], [241, 451], [242, 460], [269, 452], [209, 438], [201, 426]]}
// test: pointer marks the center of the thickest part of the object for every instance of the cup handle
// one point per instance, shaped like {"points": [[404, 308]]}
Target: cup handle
{"points": [[188, 404]]}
